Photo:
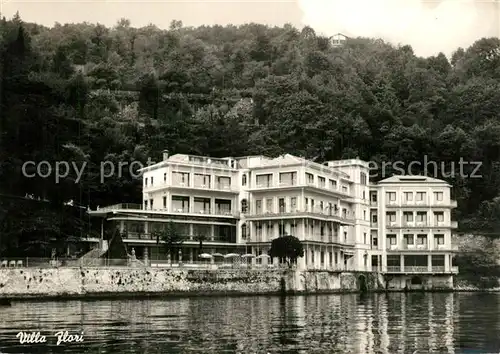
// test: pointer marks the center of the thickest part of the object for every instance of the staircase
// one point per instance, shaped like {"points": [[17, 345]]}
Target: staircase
{"points": [[92, 258]]}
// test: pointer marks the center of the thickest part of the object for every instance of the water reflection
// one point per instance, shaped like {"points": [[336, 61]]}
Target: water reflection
{"points": [[378, 323]]}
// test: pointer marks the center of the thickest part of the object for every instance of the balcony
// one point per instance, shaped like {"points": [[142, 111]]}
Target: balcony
{"points": [[295, 183], [218, 187], [420, 269], [445, 247], [415, 224], [296, 212], [445, 224], [374, 225], [121, 206], [196, 211]]}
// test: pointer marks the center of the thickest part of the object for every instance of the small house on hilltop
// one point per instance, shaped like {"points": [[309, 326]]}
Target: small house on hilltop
{"points": [[338, 39]]}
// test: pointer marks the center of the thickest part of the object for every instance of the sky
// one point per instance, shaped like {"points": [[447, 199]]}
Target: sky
{"points": [[429, 26]]}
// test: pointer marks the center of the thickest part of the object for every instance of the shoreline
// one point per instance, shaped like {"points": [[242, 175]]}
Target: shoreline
{"points": [[192, 294]]}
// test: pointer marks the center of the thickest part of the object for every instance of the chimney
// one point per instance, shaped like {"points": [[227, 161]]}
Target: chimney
{"points": [[165, 155]]}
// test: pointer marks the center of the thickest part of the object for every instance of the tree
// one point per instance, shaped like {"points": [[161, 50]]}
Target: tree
{"points": [[288, 248], [171, 238]]}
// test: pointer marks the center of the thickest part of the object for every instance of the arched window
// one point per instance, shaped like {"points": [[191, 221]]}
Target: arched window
{"points": [[244, 231], [244, 206], [244, 180]]}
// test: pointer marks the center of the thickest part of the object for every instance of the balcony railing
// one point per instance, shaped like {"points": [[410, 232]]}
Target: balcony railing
{"points": [[420, 269], [445, 224], [194, 210], [296, 211], [415, 224], [314, 184], [208, 186], [128, 235], [122, 206]]}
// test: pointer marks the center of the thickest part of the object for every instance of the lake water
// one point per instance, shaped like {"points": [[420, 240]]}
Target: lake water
{"points": [[377, 323]]}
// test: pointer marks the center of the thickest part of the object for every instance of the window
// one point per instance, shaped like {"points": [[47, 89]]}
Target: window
{"points": [[282, 205], [408, 239], [151, 180], [363, 179], [145, 204], [309, 178], [374, 218], [408, 216], [259, 231], [345, 189], [293, 230], [322, 182], [438, 196], [244, 180], [375, 242], [244, 231], [244, 206], [269, 205], [391, 196], [164, 177], [146, 181], [333, 184], [391, 239], [270, 230], [151, 203], [321, 206], [408, 196], [293, 203], [282, 229], [439, 239], [421, 239], [364, 214], [420, 196], [223, 182], [201, 180], [264, 180], [439, 216], [421, 216], [164, 202], [345, 236], [364, 238], [391, 216], [288, 178], [373, 197], [258, 206], [180, 178]]}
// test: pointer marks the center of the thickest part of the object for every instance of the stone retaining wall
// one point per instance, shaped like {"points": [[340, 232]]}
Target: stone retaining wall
{"points": [[35, 282]]}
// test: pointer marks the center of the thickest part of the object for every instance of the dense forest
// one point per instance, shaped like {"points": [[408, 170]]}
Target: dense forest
{"points": [[85, 93]]}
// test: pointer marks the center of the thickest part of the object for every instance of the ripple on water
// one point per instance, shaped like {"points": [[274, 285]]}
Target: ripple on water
{"points": [[379, 323]]}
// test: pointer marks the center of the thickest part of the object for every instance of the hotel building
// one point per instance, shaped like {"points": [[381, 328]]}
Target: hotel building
{"points": [[399, 226]]}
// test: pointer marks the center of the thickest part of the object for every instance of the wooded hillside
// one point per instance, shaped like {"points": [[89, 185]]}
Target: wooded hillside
{"points": [[87, 93]]}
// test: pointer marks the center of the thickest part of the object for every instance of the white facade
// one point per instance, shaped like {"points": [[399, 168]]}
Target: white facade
{"points": [[343, 221]]}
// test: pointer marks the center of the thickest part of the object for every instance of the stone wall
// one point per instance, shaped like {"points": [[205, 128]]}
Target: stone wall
{"points": [[34, 282]]}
